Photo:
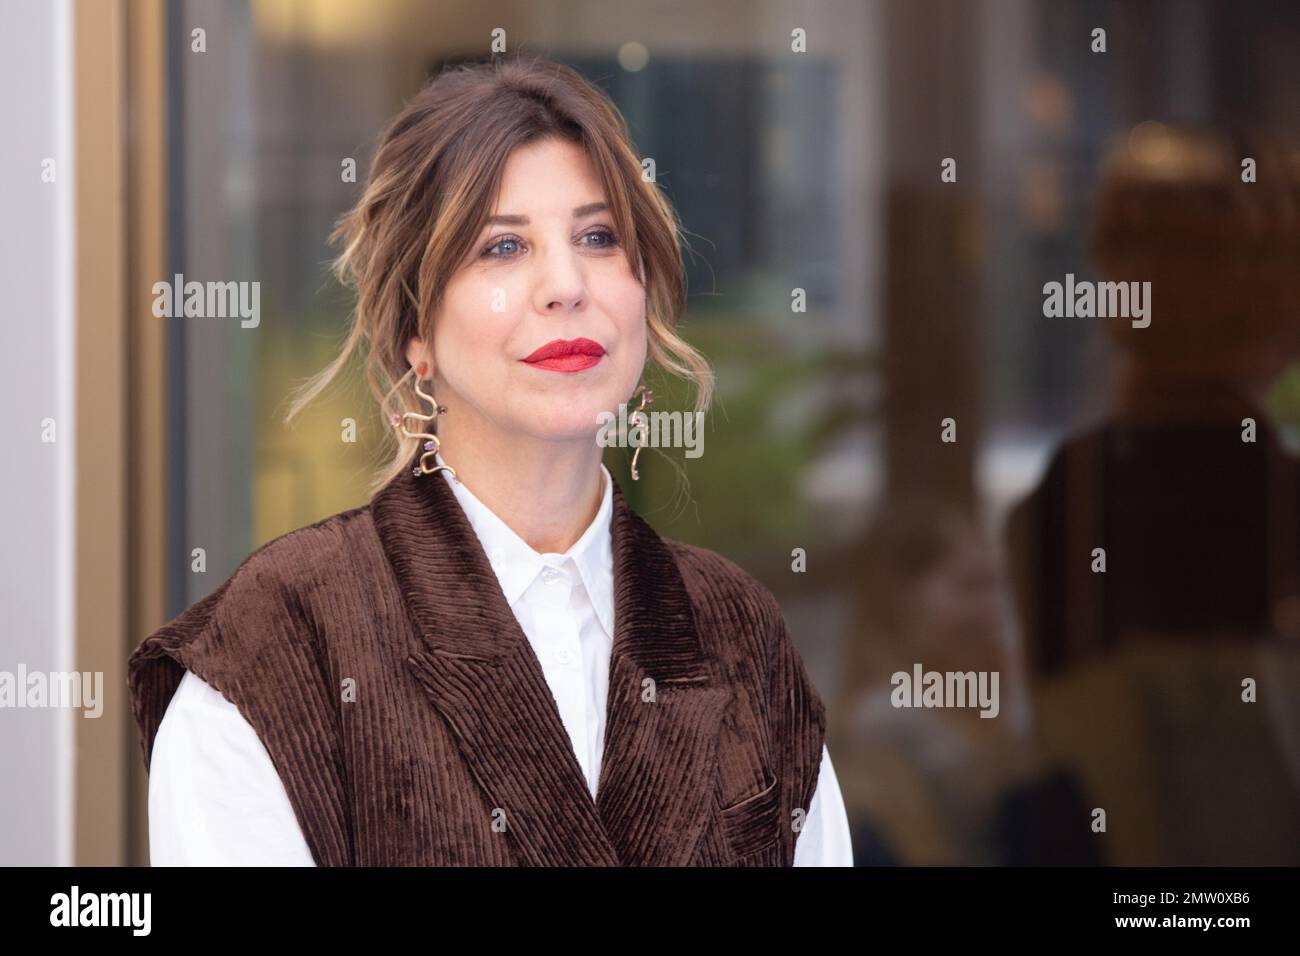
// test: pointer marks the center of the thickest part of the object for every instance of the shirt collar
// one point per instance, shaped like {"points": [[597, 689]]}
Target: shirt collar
{"points": [[516, 564]]}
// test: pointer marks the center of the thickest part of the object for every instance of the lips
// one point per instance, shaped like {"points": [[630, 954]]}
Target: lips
{"points": [[566, 355]]}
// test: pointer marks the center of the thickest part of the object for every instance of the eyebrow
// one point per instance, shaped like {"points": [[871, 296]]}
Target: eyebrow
{"points": [[578, 213]]}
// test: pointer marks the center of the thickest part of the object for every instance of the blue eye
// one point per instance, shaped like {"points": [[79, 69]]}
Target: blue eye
{"points": [[487, 250], [611, 239], [607, 237]]}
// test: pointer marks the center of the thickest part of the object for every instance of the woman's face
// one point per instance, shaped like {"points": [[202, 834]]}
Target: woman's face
{"points": [[551, 270]]}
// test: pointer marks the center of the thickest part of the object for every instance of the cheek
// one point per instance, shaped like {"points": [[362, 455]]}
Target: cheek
{"points": [[630, 360], [629, 317], [630, 301], [467, 333]]}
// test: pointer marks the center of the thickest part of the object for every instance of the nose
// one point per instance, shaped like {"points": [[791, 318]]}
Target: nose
{"points": [[562, 283]]}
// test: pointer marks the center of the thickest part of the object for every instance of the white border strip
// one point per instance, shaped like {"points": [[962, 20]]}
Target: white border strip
{"points": [[65, 489]]}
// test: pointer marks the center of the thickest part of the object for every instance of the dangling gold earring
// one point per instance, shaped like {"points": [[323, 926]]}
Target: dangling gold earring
{"points": [[641, 425], [427, 465]]}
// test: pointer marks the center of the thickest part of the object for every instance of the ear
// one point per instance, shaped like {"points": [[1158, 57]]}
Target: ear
{"points": [[417, 352]]}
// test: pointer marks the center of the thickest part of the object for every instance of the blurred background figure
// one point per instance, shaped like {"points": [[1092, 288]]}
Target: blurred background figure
{"points": [[945, 785], [1188, 488]]}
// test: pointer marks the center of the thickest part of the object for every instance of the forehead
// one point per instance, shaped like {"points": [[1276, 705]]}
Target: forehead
{"points": [[548, 176]]}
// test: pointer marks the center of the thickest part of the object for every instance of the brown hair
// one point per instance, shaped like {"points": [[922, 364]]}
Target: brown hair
{"points": [[1221, 254], [435, 174]]}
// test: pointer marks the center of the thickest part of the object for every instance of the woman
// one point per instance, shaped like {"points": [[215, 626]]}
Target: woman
{"points": [[496, 661]]}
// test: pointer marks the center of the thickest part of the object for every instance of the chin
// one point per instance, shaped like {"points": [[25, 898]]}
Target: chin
{"points": [[568, 419]]}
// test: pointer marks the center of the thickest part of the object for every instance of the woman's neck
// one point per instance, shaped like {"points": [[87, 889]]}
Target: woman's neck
{"points": [[547, 492]]}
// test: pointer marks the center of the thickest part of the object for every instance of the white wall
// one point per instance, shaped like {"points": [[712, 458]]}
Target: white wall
{"points": [[36, 359]]}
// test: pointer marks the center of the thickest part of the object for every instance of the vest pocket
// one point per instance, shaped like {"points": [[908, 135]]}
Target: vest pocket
{"points": [[752, 827]]}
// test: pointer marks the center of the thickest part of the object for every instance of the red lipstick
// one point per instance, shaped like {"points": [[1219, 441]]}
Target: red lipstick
{"points": [[566, 355]]}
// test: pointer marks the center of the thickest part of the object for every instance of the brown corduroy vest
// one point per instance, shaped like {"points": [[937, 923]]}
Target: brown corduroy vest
{"points": [[376, 657]]}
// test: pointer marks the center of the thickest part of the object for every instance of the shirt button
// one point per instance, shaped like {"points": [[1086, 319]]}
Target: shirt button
{"points": [[551, 576], [563, 655]]}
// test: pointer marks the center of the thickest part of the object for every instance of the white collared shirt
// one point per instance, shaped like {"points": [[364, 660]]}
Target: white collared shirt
{"points": [[216, 799]]}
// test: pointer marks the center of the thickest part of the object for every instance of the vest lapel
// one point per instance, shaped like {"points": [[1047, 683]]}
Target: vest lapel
{"points": [[659, 765], [658, 768]]}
